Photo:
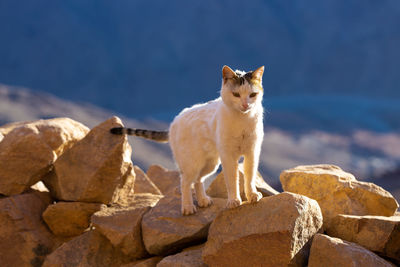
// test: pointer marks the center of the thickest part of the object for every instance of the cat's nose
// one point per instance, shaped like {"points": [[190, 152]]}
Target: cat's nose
{"points": [[245, 105]]}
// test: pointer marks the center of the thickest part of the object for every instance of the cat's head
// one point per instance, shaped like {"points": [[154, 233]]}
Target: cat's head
{"points": [[241, 90]]}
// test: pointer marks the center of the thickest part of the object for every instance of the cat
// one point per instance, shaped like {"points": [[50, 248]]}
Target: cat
{"points": [[220, 131]]}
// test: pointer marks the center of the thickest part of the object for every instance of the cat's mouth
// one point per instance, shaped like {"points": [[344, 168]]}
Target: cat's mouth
{"points": [[244, 110]]}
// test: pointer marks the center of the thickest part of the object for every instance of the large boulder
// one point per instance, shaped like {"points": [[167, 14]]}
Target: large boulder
{"points": [[69, 219], [189, 257], [143, 184], [165, 230], [122, 224], [331, 252], [27, 152], [338, 192], [218, 187], [377, 233], [167, 181], [25, 239], [276, 231], [96, 169]]}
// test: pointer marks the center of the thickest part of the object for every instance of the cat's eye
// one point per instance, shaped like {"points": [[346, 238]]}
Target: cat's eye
{"points": [[253, 95], [236, 94]]}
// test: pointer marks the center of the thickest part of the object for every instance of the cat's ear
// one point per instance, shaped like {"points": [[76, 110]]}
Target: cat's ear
{"points": [[258, 73], [228, 73]]}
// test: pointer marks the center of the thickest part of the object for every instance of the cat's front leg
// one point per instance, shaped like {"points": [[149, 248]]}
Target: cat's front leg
{"points": [[188, 206], [250, 169], [231, 176]]}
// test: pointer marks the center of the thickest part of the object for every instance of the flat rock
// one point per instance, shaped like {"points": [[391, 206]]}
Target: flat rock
{"points": [[87, 250], [143, 184], [189, 257], [376, 233], [27, 152], [25, 239], [69, 219], [165, 180], [338, 192], [150, 262], [218, 187], [328, 251], [121, 225], [96, 169], [276, 231], [165, 230]]}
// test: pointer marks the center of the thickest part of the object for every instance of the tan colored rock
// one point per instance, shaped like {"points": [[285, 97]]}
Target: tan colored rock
{"points": [[39, 186], [122, 224], [6, 128], [218, 188], [96, 169], [1, 137], [272, 232], [87, 250], [24, 238], [165, 180], [190, 257], [151, 262], [143, 184], [338, 192], [28, 152], [328, 251], [165, 230], [69, 219], [376, 233]]}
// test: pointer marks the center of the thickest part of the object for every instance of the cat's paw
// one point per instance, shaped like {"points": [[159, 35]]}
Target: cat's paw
{"points": [[188, 209], [254, 197], [204, 202], [233, 203]]}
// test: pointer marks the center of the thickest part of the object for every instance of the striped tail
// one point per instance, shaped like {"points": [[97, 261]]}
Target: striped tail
{"points": [[158, 136]]}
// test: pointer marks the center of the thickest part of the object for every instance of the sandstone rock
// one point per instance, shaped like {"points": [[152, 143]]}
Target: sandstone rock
{"points": [[272, 232], [122, 225], [1, 137], [338, 192], [143, 184], [6, 128], [28, 152], [96, 169], [190, 257], [87, 250], [164, 179], [25, 239], [328, 251], [377, 233], [151, 262], [218, 188], [69, 218], [165, 230]]}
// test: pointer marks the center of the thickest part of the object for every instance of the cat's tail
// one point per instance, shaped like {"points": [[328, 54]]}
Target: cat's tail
{"points": [[158, 136]]}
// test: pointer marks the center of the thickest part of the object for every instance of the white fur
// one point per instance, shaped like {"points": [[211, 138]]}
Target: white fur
{"points": [[220, 131]]}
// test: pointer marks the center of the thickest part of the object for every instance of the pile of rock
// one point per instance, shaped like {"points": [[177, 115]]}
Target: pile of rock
{"points": [[97, 209]]}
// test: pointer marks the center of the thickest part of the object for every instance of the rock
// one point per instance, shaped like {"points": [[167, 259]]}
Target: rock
{"points": [[165, 230], [276, 231], [28, 152], [39, 186], [377, 233], [164, 179], [122, 224], [143, 184], [25, 239], [338, 192], [1, 137], [328, 251], [6, 128], [87, 250], [190, 257], [218, 188], [69, 219], [151, 262], [96, 169]]}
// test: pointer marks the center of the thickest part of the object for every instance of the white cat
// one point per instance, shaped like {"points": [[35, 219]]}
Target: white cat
{"points": [[220, 131]]}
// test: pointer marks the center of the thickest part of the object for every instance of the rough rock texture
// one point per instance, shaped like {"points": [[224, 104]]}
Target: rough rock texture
{"points": [[272, 232], [165, 230], [24, 238], [143, 184], [151, 262], [28, 152], [164, 179], [87, 250], [69, 218], [328, 251], [122, 224], [338, 192], [190, 257], [218, 188], [377, 233], [96, 169]]}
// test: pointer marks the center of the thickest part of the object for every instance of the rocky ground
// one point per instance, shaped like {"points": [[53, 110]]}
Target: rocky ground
{"points": [[71, 196]]}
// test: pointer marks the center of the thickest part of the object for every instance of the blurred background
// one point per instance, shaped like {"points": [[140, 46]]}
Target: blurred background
{"points": [[332, 83]]}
